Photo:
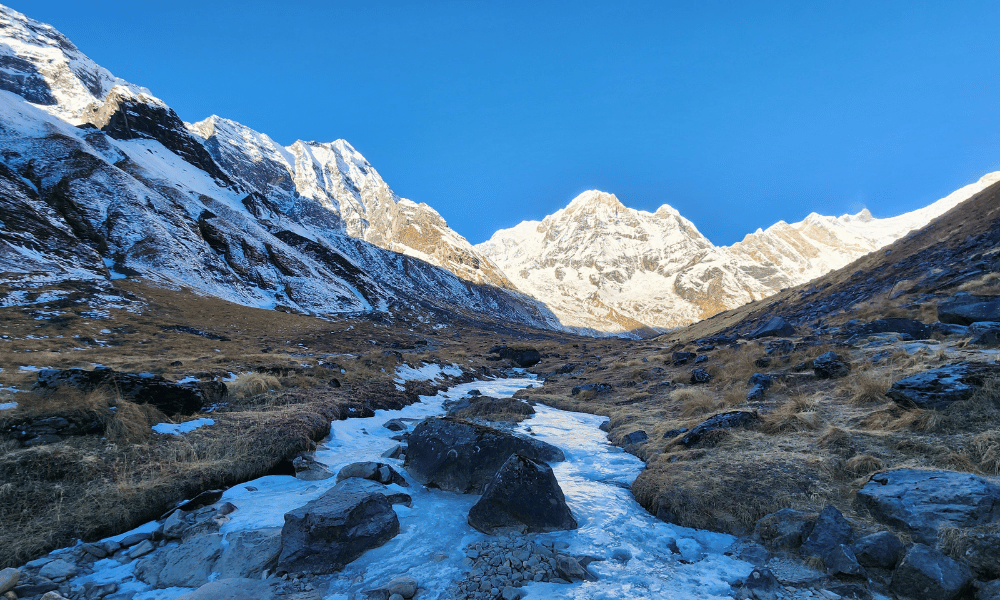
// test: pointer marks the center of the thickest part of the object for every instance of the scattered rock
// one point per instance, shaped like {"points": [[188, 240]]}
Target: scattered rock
{"points": [[965, 309], [915, 329], [672, 433], [307, 469], [463, 457], [938, 388], [145, 388], [785, 530], [927, 574], [521, 356], [736, 418], [762, 583], [597, 388], [636, 437], [680, 358], [523, 496], [988, 590], [373, 471], [141, 549], [977, 547], [830, 531], [700, 376], [830, 365], [8, 579], [774, 327], [881, 550], [923, 502], [842, 561], [395, 425], [404, 586], [58, 570], [335, 529], [985, 334]]}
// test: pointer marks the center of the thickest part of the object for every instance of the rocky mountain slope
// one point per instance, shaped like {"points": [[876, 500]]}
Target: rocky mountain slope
{"points": [[103, 180], [602, 266]]}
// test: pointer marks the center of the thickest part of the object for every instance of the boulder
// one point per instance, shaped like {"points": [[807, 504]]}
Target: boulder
{"points": [[186, 565], [938, 388], [977, 547], [523, 496], [681, 358], [842, 561], [358, 485], [636, 437], [927, 574], [232, 589], [914, 329], [519, 356], [785, 530], [395, 425], [307, 469], [985, 334], [373, 471], [830, 365], [830, 531], [249, 552], [597, 388], [489, 408], [922, 502], [762, 583], [736, 418], [463, 457], [700, 376], [758, 384], [881, 550], [58, 570], [8, 579], [774, 327], [335, 529], [988, 590], [144, 388], [965, 309]]}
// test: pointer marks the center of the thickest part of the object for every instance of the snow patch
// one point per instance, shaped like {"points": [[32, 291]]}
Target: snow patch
{"points": [[181, 428]]}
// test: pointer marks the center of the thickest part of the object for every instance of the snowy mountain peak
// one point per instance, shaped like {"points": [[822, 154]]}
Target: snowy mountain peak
{"points": [[595, 200]]}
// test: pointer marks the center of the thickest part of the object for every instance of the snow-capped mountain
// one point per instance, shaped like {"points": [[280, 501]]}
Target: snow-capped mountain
{"points": [[100, 179], [602, 266]]}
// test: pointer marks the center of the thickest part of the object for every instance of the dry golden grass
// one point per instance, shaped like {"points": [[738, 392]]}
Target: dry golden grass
{"points": [[985, 451], [250, 385], [695, 401], [867, 387], [988, 284]]}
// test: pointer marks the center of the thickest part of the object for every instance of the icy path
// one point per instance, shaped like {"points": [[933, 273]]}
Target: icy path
{"points": [[434, 533]]}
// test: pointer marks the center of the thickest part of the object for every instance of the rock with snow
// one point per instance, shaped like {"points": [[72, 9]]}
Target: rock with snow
{"points": [[328, 533], [523, 496], [186, 565], [463, 457], [939, 388], [921, 503], [965, 309], [928, 574]]}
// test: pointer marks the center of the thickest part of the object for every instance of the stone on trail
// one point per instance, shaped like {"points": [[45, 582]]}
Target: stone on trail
{"points": [[523, 496], [335, 529], [923, 502]]}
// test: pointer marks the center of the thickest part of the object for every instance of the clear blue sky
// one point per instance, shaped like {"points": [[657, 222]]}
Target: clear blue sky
{"points": [[738, 114]]}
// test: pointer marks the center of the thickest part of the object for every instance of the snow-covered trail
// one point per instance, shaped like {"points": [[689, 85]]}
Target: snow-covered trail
{"points": [[434, 532]]}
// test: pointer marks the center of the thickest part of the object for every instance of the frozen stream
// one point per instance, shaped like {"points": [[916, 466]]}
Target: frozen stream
{"points": [[434, 533]]}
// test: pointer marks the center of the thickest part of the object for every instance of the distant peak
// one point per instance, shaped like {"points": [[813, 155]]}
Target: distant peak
{"points": [[666, 210], [596, 198]]}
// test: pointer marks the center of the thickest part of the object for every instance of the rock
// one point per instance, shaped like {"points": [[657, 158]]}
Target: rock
{"points": [[395, 425], [521, 356], [58, 570], [938, 388], [336, 528], [358, 485], [965, 309], [988, 590], [680, 358], [489, 408], [463, 457], [169, 397], [394, 452], [597, 388], [985, 334], [307, 469], [923, 502], [232, 589], [700, 376], [523, 496], [404, 586], [8, 579], [784, 530], [979, 548], [775, 327], [762, 583], [186, 565], [175, 524], [203, 499], [570, 569], [672, 433], [830, 365], [248, 553], [52, 596], [636, 437], [141, 549], [915, 329], [736, 418], [830, 531], [511, 593], [927, 574], [881, 550], [373, 471], [841, 560]]}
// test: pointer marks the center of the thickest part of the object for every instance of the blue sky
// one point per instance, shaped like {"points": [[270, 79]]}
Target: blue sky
{"points": [[738, 114]]}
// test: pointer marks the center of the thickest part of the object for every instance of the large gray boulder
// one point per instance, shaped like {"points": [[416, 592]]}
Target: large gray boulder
{"points": [[463, 457], [186, 565], [523, 496], [784, 530], [830, 531], [938, 388], [922, 502], [830, 365], [774, 327], [372, 471], [335, 529], [880, 550], [927, 574], [966, 309], [249, 552]]}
